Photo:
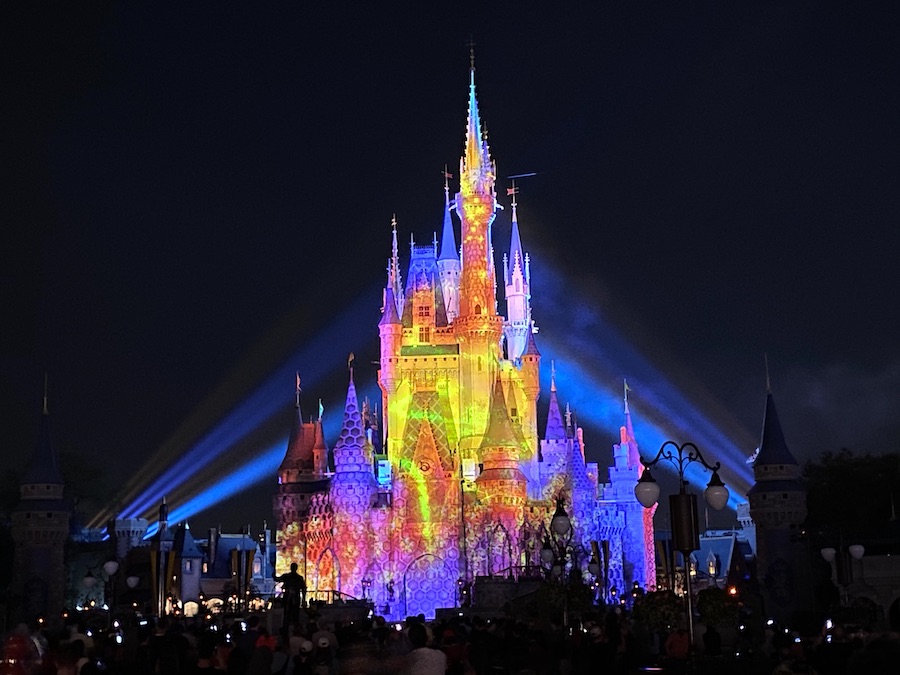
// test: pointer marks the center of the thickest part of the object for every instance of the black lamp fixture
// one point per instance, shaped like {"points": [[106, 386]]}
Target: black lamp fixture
{"points": [[683, 505]]}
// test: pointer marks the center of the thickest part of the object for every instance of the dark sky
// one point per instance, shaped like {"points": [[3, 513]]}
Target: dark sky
{"points": [[185, 190]]}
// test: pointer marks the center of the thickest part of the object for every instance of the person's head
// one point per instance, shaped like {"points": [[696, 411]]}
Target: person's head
{"points": [[418, 636], [206, 646], [293, 567]]}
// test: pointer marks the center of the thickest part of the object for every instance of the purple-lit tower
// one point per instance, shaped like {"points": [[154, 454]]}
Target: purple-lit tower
{"points": [[460, 486]]}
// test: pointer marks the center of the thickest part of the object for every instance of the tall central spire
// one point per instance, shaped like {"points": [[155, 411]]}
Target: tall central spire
{"points": [[476, 168]]}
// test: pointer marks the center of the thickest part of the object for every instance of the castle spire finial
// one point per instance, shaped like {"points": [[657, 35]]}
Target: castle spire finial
{"points": [[552, 375], [297, 373], [477, 171], [768, 381], [46, 410], [627, 389], [471, 46]]}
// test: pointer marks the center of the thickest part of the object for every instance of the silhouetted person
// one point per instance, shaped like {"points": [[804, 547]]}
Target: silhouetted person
{"points": [[712, 642], [294, 593]]}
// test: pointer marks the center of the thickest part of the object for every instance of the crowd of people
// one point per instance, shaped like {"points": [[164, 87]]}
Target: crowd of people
{"points": [[605, 643]]}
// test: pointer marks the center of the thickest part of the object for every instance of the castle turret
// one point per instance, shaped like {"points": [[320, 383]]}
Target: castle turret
{"points": [[620, 505], [517, 280], [298, 458], [448, 259], [531, 387], [40, 527], [778, 508], [390, 330], [301, 505], [188, 560], [478, 327], [501, 486], [353, 490]]}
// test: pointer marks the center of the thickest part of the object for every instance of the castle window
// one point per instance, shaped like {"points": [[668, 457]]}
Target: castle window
{"points": [[424, 311], [477, 309], [188, 566], [424, 334]]}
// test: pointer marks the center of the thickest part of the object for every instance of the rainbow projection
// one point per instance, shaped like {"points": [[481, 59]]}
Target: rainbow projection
{"points": [[453, 481]]}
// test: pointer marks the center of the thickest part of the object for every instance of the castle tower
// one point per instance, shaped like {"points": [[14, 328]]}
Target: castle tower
{"points": [[352, 495], [517, 279], [188, 561], [554, 451], [501, 488], [478, 327], [162, 565], [129, 534], [40, 528], [778, 508], [448, 259], [620, 506], [301, 505]]}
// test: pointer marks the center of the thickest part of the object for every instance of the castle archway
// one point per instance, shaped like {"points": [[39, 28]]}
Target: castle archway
{"points": [[428, 583]]}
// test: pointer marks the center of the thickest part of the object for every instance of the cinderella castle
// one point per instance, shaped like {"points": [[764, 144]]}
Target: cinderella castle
{"points": [[455, 482]]}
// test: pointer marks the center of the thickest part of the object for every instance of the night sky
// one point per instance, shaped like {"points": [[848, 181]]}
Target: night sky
{"points": [[191, 195]]}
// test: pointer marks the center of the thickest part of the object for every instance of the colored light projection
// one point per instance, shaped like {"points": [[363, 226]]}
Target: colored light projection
{"points": [[444, 503], [471, 486]]}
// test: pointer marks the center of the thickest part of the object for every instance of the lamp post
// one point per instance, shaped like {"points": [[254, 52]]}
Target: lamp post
{"points": [[111, 567], [683, 505], [840, 560], [558, 551]]}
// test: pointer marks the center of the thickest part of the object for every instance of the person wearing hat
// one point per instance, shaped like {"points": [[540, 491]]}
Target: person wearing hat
{"points": [[323, 662], [303, 660]]}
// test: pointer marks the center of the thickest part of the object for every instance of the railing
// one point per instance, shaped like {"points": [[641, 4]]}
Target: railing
{"points": [[331, 597]]}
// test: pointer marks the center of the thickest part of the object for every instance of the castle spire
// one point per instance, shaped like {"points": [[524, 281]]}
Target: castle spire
{"points": [[394, 279], [44, 466], [627, 453], [350, 446], [516, 256], [476, 168], [556, 430], [500, 432], [773, 448], [298, 458], [629, 429], [448, 240]]}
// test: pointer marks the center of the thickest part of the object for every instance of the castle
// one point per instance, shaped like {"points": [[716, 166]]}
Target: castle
{"points": [[454, 482]]}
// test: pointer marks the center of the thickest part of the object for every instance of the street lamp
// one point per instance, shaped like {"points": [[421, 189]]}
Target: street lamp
{"points": [[558, 551], [841, 563], [111, 567], [682, 506]]}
